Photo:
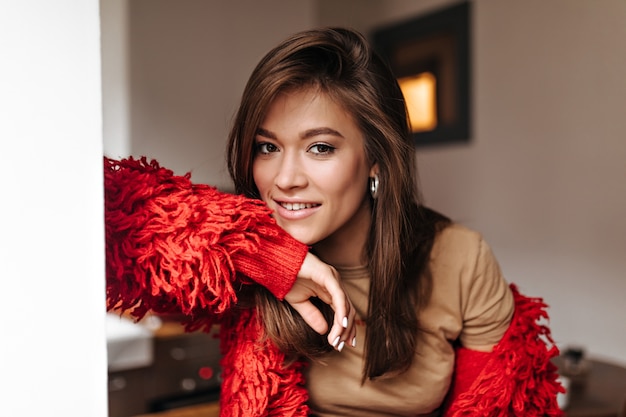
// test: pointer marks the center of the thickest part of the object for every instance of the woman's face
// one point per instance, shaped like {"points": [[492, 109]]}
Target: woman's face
{"points": [[310, 168]]}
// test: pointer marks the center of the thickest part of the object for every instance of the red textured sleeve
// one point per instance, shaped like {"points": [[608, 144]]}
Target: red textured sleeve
{"points": [[467, 367], [175, 247], [274, 264], [517, 378], [255, 378]]}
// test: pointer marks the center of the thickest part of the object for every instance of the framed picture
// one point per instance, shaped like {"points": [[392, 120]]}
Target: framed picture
{"points": [[430, 56]]}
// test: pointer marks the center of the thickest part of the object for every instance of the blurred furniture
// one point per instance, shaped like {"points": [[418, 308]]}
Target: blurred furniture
{"points": [[598, 392], [183, 381], [184, 372], [202, 410]]}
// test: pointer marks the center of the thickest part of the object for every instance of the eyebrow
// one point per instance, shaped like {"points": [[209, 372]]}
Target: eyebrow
{"points": [[307, 134]]}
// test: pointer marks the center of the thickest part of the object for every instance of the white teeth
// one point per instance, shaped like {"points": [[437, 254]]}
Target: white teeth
{"points": [[297, 206]]}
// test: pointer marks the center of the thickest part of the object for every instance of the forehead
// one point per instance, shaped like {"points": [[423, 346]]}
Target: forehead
{"points": [[310, 104]]}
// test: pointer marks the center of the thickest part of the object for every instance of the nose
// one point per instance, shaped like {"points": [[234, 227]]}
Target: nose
{"points": [[291, 173]]}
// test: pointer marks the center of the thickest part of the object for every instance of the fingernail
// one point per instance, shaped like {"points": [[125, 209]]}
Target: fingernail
{"points": [[336, 341], [340, 347], [344, 322], [354, 341]]}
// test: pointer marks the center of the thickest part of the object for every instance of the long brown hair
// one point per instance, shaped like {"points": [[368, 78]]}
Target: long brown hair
{"points": [[340, 63]]}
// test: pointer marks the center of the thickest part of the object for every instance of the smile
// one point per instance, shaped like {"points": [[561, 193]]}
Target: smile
{"points": [[298, 206]]}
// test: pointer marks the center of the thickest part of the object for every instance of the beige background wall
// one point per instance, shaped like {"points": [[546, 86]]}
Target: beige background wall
{"points": [[543, 177]]}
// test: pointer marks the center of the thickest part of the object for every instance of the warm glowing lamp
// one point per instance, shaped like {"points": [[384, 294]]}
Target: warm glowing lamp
{"points": [[421, 100]]}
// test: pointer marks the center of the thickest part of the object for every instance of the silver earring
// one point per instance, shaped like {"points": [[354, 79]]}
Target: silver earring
{"points": [[374, 186]]}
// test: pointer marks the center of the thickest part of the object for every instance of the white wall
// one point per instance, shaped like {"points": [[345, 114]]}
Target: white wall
{"points": [[115, 77], [52, 354], [544, 177]]}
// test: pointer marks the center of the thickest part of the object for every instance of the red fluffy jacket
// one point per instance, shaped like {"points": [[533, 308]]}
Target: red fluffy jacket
{"points": [[174, 247]]}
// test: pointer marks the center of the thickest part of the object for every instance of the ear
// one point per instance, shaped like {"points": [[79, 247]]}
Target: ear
{"points": [[374, 170]]}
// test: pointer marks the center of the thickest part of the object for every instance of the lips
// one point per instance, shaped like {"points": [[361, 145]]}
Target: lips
{"points": [[295, 210]]}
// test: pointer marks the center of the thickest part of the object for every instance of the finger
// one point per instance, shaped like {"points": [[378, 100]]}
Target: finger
{"points": [[343, 323], [353, 337], [339, 303], [345, 331], [312, 316], [332, 293], [340, 337]]}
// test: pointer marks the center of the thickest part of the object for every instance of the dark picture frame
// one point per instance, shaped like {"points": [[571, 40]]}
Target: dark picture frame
{"points": [[439, 43]]}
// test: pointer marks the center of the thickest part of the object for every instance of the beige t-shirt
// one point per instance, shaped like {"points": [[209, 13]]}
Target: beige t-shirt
{"points": [[470, 302]]}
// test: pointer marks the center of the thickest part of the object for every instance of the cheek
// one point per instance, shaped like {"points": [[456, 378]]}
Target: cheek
{"points": [[260, 177], [346, 183]]}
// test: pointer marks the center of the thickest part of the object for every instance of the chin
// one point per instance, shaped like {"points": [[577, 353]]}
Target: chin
{"points": [[307, 241], [302, 237]]}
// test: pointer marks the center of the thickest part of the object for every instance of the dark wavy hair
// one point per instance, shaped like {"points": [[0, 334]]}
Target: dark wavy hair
{"points": [[340, 63]]}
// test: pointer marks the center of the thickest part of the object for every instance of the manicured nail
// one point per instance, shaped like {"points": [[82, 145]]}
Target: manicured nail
{"points": [[336, 341], [353, 341], [340, 347], [344, 322]]}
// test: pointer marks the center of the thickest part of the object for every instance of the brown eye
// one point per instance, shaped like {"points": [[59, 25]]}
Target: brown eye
{"points": [[266, 148], [322, 149]]}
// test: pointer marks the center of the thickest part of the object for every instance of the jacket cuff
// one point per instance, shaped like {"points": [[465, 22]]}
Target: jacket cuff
{"points": [[275, 263]]}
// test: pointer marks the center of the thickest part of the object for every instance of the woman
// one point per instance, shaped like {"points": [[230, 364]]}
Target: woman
{"points": [[321, 137]]}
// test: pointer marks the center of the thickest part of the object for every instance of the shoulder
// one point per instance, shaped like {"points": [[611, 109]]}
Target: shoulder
{"points": [[468, 279], [456, 243], [464, 264], [454, 261], [465, 253]]}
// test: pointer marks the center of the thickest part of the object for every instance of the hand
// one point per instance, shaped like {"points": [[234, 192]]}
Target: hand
{"points": [[317, 279]]}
